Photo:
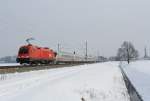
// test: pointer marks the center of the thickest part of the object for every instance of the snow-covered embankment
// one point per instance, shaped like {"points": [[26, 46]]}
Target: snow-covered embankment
{"points": [[94, 82], [139, 74]]}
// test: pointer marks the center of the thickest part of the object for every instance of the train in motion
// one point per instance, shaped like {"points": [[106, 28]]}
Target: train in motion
{"points": [[31, 54]]}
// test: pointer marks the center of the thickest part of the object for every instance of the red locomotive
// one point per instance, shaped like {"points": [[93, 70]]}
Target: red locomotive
{"points": [[31, 54]]}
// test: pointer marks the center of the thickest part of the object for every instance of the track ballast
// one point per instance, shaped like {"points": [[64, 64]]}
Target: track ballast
{"points": [[25, 68]]}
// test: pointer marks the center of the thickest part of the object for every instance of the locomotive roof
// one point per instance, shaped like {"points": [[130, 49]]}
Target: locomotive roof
{"points": [[30, 45]]}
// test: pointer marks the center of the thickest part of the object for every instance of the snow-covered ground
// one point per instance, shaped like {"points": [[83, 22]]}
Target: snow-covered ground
{"points": [[93, 82], [9, 64], [139, 74]]}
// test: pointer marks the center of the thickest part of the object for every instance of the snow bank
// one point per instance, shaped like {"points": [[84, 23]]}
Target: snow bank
{"points": [[139, 74], [94, 82], [9, 64]]}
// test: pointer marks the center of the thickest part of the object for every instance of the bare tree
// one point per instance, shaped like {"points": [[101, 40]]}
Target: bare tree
{"points": [[127, 52]]}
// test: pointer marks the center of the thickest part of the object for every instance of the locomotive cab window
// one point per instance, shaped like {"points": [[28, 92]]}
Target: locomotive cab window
{"points": [[23, 50]]}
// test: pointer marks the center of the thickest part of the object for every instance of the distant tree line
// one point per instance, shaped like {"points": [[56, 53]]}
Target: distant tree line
{"points": [[8, 59]]}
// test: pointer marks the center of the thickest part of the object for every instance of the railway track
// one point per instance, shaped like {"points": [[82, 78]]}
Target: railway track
{"points": [[25, 68], [58, 64]]}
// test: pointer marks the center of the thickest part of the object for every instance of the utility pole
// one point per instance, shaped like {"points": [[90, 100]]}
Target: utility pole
{"points": [[98, 56], [86, 54], [145, 56], [128, 55], [74, 55], [58, 48]]}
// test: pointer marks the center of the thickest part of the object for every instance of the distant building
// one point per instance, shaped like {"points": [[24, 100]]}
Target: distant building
{"points": [[114, 58], [146, 57], [102, 59]]}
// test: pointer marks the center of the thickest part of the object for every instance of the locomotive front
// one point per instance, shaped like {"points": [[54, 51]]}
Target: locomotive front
{"points": [[31, 54], [23, 55]]}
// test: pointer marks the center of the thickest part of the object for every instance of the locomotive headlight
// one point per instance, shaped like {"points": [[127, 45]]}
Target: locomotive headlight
{"points": [[50, 55]]}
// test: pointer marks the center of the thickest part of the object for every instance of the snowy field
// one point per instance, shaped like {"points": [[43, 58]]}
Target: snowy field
{"points": [[9, 64], [139, 74], [93, 82]]}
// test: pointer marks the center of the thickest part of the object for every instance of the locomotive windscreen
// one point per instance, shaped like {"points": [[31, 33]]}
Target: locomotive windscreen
{"points": [[23, 50]]}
